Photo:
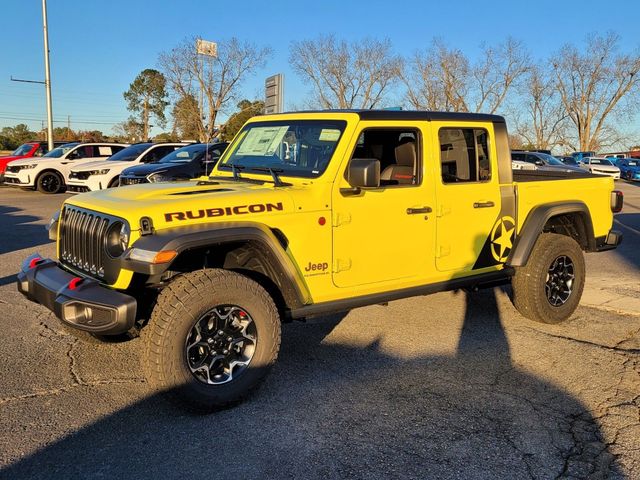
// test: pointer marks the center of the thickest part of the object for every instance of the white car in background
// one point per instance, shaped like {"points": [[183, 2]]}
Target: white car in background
{"points": [[102, 174], [600, 166], [50, 173]]}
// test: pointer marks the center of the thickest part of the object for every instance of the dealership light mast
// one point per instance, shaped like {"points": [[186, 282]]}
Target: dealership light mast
{"points": [[47, 76]]}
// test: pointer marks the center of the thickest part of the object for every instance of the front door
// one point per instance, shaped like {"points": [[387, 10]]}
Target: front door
{"points": [[386, 234]]}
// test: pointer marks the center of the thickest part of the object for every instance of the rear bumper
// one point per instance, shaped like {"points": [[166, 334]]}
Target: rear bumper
{"points": [[609, 241], [81, 303]]}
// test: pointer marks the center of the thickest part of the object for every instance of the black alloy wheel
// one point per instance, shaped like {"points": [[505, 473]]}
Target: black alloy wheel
{"points": [[221, 344], [559, 284], [49, 182]]}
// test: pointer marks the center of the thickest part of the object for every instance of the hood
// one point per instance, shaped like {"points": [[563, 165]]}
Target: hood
{"points": [[563, 168], [147, 168], [95, 164], [27, 160], [185, 203], [9, 158]]}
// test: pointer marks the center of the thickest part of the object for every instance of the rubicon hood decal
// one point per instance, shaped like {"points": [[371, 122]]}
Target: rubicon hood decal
{"points": [[223, 211]]}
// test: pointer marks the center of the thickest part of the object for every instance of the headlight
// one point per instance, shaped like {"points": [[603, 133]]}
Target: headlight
{"points": [[159, 177], [25, 167], [98, 172], [117, 239]]}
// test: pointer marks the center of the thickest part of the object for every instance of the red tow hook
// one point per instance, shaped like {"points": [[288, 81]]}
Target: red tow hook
{"points": [[34, 261], [73, 284]]}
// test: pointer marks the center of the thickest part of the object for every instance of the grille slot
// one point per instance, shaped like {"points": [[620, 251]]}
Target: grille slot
{"points": [[82, 240]]}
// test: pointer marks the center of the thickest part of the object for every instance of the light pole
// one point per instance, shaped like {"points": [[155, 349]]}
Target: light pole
{"points": [[47, 76]]}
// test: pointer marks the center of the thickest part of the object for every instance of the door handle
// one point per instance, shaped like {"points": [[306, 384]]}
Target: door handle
{"points": [[483, 204], [415, 211]]}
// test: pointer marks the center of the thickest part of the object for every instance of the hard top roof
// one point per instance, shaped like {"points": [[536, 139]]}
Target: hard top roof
{"points": [[414, 115]]}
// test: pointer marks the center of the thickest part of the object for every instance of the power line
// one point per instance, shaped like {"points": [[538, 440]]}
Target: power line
{"points": [[55, 121]]}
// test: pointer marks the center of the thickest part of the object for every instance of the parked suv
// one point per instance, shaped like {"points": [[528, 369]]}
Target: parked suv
{"points": [[50, 173], [543, 161], [101, 174], [26, 150], [186, 163]]}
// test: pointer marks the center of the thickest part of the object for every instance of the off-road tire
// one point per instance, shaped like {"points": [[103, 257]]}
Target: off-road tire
{"points": [[529, 293], [50, 182], [179, 306]]}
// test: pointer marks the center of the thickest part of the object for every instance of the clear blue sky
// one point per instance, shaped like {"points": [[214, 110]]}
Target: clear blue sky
{"points": [[97, 48]]}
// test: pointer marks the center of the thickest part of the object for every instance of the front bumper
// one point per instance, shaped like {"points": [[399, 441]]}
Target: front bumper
{"points": [[91, 184], [609, 241], [18, 179], [80, 302]]}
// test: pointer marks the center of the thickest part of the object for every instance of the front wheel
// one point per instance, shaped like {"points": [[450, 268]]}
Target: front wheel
{"points": [[212, 338], [548, 288], [50, 182]]}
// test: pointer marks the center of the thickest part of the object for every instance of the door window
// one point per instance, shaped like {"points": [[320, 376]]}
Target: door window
{"points": [[464, 155], [397, 149]]}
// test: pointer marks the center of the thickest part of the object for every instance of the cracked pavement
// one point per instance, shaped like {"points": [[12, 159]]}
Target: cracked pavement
{"points": [[454, 385]]}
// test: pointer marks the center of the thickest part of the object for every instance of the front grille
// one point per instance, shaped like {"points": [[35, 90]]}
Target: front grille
{"points": [[132, 180], [79, 175], [11, 180], [77, 188], [83, 235]]}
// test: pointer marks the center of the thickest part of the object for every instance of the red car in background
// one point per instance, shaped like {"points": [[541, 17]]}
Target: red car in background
{"points": [[26, 150]]}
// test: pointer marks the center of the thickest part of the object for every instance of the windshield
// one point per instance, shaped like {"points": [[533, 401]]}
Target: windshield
{"points": [[61, 150], [551, 160], [301, 148], [600, 161], [191, 153], [129, 154], [23, 149]]}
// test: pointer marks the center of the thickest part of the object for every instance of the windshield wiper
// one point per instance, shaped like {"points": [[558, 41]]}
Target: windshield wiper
{"points": [[234, 169], [274, 175]]}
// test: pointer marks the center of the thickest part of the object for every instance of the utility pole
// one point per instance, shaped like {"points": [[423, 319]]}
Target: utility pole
{"points": [[68, 127], [47, 75]]}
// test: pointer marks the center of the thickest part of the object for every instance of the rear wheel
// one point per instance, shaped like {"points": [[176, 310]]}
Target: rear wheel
{"points": [[549, 287], [212, 338], [50, 182]]}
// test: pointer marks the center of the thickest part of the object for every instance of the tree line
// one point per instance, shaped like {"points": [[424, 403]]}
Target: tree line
{"points": [[575, 99]]}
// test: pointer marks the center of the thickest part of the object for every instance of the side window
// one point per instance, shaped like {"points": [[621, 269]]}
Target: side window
{"points": [[397, 149], [40, 151], [518, 157], [531, 159], [464, 155]]}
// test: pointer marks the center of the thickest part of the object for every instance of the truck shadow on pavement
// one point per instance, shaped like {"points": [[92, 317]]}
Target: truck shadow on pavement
{"points": [[18, 232], [332, 410]]}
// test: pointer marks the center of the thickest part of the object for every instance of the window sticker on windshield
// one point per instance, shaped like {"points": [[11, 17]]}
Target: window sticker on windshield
{"points": [[104, 151], [262, 141], [329, 135], [182, 155]]}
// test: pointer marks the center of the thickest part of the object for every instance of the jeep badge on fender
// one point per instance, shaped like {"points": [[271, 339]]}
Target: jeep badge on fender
{"points": [[311, 213]]}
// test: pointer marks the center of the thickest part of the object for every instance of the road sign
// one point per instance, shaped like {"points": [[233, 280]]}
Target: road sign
{"points": [[205, 47], [274, 94]]}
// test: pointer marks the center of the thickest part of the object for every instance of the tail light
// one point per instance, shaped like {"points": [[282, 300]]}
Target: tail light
{"points": [[617, 200]]}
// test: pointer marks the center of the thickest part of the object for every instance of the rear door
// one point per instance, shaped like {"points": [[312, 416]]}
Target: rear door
{"points": [[472, 233]]}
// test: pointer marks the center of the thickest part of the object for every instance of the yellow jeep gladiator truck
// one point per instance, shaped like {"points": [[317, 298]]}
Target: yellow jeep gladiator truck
{"points": [[309, 213]]}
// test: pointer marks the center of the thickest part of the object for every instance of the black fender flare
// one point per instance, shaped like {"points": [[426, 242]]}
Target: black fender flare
{"points": [[534, 225], [181, 239]]}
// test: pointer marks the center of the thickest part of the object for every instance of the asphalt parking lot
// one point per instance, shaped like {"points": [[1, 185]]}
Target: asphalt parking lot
{"points": [[454, 385]]}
